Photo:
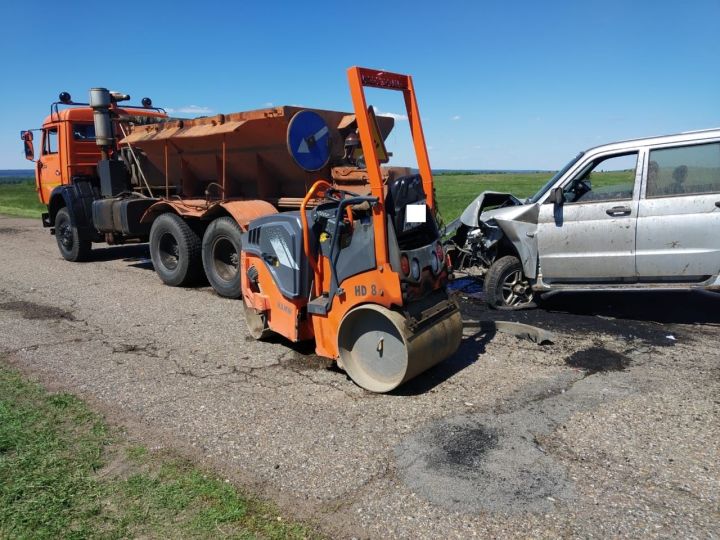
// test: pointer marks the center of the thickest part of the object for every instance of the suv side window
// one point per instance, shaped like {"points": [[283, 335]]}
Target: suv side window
{"points": [[50, 141], [609, 178], [683, 170]]}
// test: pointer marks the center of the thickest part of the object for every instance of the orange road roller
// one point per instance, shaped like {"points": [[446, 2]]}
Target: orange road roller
{"points": [[362, 273]]}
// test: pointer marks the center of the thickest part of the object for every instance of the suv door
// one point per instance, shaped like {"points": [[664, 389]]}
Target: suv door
{"points": [[591, 237], [678, 215], [49, 174]]}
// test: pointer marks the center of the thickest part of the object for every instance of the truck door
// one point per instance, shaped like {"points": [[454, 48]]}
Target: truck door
{"points": [[49, 171], [591, 237], [678, 216]]}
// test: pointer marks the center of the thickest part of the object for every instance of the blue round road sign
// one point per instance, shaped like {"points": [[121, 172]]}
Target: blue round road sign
{"points": [[308, 140]]}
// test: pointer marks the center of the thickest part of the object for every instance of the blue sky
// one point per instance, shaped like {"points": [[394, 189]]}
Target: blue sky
{"points": [[513, 85]]}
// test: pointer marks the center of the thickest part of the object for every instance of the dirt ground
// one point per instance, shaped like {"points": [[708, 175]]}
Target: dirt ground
{"points": [[611, 430]]}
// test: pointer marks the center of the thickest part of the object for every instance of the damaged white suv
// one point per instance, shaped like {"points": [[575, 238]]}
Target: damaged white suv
{"points": [[635, 214]]}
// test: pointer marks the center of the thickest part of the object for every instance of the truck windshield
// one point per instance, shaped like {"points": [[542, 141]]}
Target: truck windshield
{"points": [[83, 132], [550, 183]]}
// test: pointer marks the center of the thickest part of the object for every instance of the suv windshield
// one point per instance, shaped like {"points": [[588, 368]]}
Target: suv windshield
{"points": [[535, 198]]}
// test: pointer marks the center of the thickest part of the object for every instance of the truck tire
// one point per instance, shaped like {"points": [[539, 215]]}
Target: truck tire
{"points": [[175, 251], [506, 286], [74, 244], [221, 246]]}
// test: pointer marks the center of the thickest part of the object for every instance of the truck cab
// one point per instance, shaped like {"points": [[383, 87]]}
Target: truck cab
{"points": [[67, 150], [66, 162], [67, 144]]}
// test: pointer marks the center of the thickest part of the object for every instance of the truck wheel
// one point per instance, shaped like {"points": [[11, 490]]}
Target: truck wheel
{"points": [[506, 286], [221, 256], [175, 250], [73, 243]]}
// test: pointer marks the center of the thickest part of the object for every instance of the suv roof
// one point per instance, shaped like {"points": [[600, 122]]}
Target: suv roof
{"points": [[688, 136]]}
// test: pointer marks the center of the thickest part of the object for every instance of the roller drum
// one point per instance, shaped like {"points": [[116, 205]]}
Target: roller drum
{"points": [[380, 353]]}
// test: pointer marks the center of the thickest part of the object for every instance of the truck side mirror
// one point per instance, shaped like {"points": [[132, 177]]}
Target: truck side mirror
{"points": [[27, 138], [558, 196]]}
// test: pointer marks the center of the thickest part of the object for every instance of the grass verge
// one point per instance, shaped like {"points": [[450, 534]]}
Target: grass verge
{"points": [[64, 473], [20, 199]]}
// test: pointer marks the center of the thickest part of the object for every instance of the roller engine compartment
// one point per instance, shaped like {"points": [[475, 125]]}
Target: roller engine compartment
{"points": [[343, 235], [419, 258]]}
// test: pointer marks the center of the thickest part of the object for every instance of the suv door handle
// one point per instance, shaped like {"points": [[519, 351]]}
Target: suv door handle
{"points": [[717, 203], [618, 211]]}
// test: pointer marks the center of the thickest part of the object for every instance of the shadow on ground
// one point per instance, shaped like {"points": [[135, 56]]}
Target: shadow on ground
{"points": [[137, 254], [668, 307], [651, 316], [470, 350]]}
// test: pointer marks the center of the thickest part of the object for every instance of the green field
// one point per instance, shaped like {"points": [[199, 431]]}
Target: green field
{"points": [[454, 191], [64, 473], [19, 199]]}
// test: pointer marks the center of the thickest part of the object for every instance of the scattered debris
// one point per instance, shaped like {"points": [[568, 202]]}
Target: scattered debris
{"points": [[520, 330], [526, 331], [31, 310], [301, 360], [597, 359], [464, 446]]}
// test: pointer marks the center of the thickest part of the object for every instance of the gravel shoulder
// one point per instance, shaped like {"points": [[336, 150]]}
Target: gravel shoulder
{"points": [[611, 430]]}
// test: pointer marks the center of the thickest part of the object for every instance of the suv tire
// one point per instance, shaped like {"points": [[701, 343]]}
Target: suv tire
{"points": [[506, 286]]}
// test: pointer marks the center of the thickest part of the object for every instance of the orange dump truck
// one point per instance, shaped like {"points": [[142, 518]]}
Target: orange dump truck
{"points": [[288, 208]]}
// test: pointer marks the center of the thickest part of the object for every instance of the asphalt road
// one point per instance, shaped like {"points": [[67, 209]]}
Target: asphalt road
{"points": [[612, 430]]}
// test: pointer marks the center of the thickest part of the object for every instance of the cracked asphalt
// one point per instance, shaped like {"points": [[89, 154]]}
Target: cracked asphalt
{"points": [[612, 430]]}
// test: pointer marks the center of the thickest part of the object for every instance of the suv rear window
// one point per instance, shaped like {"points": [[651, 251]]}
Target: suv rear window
{"points": [[684, 170]]}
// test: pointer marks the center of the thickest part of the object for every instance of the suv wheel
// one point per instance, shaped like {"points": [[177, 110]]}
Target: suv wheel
{"points": [[506, 286]]}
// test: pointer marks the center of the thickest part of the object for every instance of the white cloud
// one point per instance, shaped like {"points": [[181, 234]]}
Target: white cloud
{"points": [[268, 104], [396, 116], [190, 109], [456, 117]]}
